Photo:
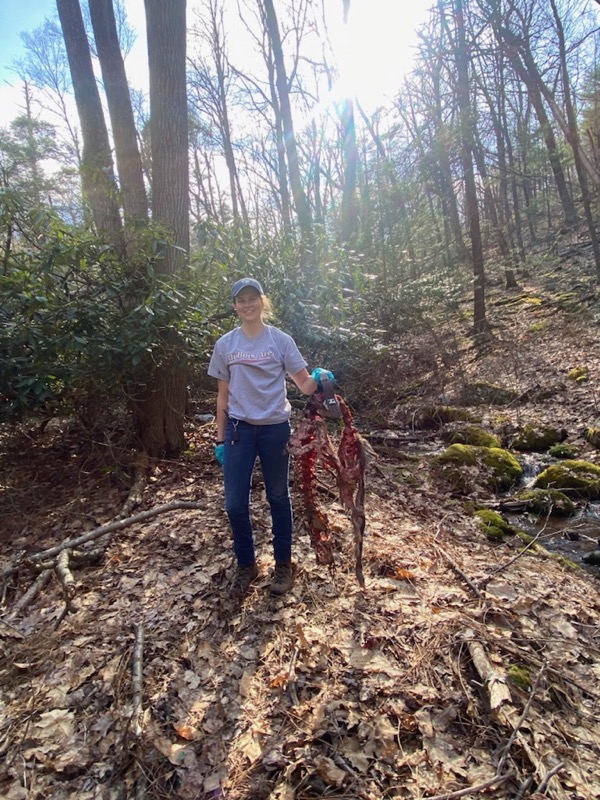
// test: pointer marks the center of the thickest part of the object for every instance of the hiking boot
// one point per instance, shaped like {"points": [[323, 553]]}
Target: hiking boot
{"points": [[243, 578], [283, 577]]}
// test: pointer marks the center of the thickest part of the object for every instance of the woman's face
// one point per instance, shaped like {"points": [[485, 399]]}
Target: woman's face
{"points": [[248, 305]]}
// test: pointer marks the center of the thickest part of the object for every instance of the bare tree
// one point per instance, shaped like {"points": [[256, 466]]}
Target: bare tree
{"points": [[160, 404], [573, 138], [291, 148], [467, 145], [129, 163], [98, 180]]}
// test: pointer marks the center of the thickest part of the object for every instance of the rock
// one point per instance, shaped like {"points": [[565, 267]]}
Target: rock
{"points": [[548, 501], [537, 439], [581, 477], [463, 465], [471, 434], [592, 558]]}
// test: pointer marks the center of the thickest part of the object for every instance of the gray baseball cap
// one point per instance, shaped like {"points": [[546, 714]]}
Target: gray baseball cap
{"points": [[242, 283]]}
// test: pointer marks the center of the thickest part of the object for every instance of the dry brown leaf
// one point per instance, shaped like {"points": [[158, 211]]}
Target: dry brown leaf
{"points": [[250, 745], [58, 724], [330, 772]]}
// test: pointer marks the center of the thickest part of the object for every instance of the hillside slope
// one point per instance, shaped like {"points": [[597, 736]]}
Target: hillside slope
{"points": [[465, 668]]}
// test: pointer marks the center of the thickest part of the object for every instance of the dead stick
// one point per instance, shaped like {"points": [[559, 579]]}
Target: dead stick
{"points": [[480, 787], [36, 587], [483, 583], [292, 677], [520, 652], [549, 775], [459, 571], [137, 677], [136, 493], [65, 576], [109, 528], [521, 720]]}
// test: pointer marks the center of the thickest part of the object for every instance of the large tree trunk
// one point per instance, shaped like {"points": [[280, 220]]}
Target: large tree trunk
{"points": [[129, 162], [160, 404], [291, 149], [97, 174], [466, 131]]}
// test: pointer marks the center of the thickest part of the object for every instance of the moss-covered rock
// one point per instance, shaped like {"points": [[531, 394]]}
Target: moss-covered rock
{"points": [[520, 676], [482, 393], [433, 417], [564, 450], [578, 374], [592, 435], [494, 525], [471, 434], [537, 439], [576, 477], [465, 466], [547, 501]]}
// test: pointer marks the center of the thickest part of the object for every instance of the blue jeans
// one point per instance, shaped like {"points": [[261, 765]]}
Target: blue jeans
{"points": [[268, 442]]}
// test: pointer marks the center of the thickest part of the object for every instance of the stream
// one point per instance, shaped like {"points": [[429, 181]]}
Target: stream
{"points": [[574, 537]]}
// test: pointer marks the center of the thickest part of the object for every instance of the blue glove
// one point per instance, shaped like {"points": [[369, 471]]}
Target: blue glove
{"points": [[316, 376], [220, 453]]}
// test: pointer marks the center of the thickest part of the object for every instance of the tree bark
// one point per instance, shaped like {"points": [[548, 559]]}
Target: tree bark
{"points": [[472, 210], [98, 179], [160, 404], [573, 137], [291, 148], [349, 219], [525, 68], [129, 162]]}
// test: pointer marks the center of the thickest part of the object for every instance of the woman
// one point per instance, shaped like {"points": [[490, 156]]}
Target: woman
{"points": [[250, 364]]}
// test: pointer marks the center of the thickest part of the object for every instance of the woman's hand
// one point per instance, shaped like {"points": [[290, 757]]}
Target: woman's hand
{"points": [[220, 453], [318, 373]]}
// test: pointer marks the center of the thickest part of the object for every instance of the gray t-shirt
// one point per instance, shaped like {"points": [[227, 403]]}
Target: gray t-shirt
{"points": [[255, 370]]}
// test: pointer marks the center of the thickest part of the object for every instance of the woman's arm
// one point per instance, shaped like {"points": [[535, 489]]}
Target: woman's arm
{"points": [[222, 401], [304, 382]]}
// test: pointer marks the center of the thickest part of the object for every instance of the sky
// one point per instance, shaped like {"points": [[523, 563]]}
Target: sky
{"points": [[374, 50]]}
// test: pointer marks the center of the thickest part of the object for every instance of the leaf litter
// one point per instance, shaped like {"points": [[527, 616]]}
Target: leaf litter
{"points": [[459, 671]]}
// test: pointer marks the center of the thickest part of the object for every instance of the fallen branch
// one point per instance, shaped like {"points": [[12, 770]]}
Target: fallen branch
{"points": [[67, 581], [549, 775], [291, 686], [493, 680], [65, 576], [480, 787], [136, 493], [111, 527], [137, 678], [484, 582], [36, 587], [459, 571], [504, 753], [537, 662]]}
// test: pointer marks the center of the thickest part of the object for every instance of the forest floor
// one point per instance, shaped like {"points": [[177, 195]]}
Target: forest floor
{"points": [[465, 668]]}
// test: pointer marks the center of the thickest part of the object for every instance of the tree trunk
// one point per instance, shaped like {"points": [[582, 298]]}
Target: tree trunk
{"points": [[472, 211], [573, 136], [160, 404], [530, 76], [129, 162], [349, 211], [291, 148], [98, 180]]}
